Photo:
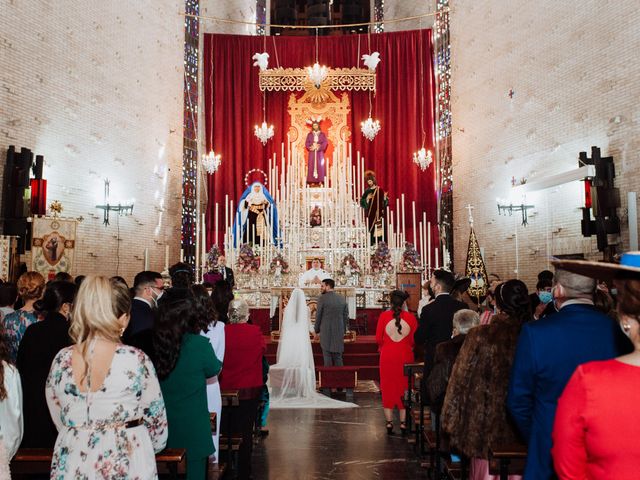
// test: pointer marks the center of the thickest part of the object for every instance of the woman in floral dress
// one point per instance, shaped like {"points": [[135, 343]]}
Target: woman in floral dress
{"points": [[104, 397], [30, 288]]}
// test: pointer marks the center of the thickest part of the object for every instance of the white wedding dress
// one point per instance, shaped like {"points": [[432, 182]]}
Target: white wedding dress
{"points": [[292, 380]]}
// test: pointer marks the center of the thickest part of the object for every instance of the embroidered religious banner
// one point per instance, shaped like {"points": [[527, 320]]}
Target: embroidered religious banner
{"points": [[476, 269], [8, 258], [53, 245]]}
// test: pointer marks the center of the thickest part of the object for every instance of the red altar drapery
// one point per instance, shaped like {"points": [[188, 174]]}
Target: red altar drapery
{"points": [[233, 105]]}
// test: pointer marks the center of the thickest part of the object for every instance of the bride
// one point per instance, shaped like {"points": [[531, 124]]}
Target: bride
{"points": [[292, 380]]}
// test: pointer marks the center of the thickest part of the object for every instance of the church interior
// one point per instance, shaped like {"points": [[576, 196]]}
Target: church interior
{"points": [[303, 182]]}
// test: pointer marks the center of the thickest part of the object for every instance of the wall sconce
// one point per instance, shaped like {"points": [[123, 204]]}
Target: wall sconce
{"points": [[505, 207], [120, 209]]}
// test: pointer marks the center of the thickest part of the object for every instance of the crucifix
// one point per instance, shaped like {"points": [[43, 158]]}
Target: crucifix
{"points": [[470, 207]]}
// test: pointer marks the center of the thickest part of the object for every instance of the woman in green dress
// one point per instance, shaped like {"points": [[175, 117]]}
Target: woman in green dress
{"points": [[184, 360]]}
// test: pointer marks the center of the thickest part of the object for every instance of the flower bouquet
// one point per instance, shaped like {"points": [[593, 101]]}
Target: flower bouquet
{"points": [[212, 256], [278, 261], [410, 259], [381, 259], [349, 266], [248, 262]]}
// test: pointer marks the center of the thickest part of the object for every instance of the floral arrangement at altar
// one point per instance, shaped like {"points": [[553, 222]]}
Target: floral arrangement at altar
{"points": [[381, 259], [278, 261], [212, 256], [349, 266], [410, 259], [247, 260]]}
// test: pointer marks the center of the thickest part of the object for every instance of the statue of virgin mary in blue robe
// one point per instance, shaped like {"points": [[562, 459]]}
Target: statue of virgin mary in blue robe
{"points": [[256, 217]]}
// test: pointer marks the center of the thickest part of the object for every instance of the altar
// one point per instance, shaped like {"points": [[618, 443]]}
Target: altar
{"points": [[280, 298]]}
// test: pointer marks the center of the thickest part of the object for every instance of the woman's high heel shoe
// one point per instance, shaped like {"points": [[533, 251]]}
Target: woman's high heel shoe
{"points": [[389, 428], [403, 428]]}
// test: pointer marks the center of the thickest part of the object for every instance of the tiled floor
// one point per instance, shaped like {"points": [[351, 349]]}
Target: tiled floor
{"points": [[334, 444]]}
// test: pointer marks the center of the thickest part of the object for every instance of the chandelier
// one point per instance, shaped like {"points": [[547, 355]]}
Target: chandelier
{"points": [[263, 132], [370, 128], [317, 74], [423, 158], [211, 162]]}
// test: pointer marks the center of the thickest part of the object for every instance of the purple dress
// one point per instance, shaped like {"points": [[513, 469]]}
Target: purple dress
{"points": [[316, 167], [212, 277]]}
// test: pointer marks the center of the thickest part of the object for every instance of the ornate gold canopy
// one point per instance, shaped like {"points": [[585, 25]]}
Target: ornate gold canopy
{"points": [[297, 79]]}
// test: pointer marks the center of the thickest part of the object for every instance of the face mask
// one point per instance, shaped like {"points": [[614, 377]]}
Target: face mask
{"points": [[545, 297], [613, 291], [157, 297]]}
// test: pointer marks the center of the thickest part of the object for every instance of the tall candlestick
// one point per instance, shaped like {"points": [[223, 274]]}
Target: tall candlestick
{"points": [[203, 247], [216, 231], [146, 258], [422, 257], [437, 259], [404, 231]]}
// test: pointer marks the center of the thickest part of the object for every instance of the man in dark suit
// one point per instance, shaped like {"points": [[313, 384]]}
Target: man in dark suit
{"points": [[332, 321], [148, 287], [436, 318], [548, 352], [226, 272]]}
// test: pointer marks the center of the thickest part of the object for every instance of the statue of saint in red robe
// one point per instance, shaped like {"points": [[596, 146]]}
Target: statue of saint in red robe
{"points": [[316, 144]]}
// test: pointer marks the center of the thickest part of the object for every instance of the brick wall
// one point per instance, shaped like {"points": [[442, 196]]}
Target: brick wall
{"points": [[408, 8], [97, 89], [575, 77]]}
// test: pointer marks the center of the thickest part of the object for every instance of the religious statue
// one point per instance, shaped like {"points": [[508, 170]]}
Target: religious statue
{"points": [[316, 144], [256, 217], [313, 276], [374, 201]]}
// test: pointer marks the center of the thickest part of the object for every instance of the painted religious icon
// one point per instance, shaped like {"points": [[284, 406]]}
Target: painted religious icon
{"points": [[53, 248], [374, 201], [315, 219], [316, 145]]}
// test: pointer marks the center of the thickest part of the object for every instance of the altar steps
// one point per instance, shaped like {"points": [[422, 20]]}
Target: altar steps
{"points": [[363, 353]]}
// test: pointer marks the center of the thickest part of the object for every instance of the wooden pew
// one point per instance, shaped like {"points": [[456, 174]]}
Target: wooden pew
{"points": [[338, 377], [229, 443], [507, 460], [409, 370], [29, 461]]}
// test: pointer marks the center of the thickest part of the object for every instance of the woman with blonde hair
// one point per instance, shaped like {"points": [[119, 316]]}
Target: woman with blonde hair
{"points": [[104, 396], [30, 288]]}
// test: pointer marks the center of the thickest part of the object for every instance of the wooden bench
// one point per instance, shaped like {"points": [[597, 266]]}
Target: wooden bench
{"points": [[338, 377], [409, 370], [507, 460], [229, 443], [38, 461]]}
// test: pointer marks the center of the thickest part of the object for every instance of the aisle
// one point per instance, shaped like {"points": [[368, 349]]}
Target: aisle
{"points": [[334, 444]]}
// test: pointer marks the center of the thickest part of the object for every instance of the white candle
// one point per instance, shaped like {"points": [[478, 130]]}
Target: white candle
{"points": [[146, 258], [215, 230], [428, 226], [404, 231], [413, 226], [422, 257], [437, 259], [166, 258], [181, 255], [203, 242]]}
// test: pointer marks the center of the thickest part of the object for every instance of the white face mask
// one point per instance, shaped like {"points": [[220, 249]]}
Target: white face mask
{"points": [[156, 297]]}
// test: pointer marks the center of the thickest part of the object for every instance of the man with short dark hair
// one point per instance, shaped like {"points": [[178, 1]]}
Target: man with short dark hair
{"points": [[548, 352], [332, 321], [436, 318], [148, 287]]}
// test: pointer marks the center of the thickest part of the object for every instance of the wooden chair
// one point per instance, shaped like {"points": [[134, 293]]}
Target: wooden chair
{"points": [[338, 377]]}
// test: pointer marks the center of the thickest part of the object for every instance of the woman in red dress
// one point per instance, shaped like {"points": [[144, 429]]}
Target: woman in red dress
{"points": [[596, 425], [394, 335]]}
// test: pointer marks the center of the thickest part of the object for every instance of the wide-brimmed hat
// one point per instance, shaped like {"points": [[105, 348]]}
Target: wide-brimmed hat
{"points": [[629, 267]]}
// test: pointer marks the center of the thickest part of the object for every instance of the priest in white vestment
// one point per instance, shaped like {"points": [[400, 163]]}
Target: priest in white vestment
{"points": [[314, 276]]}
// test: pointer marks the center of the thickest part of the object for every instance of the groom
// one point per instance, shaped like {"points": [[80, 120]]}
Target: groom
{"points": [[332, 319]]}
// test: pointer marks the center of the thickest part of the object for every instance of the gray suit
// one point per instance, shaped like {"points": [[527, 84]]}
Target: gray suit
{"points": [[332, 320]]}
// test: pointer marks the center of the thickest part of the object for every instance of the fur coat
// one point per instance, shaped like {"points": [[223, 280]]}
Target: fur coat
{"points": [[474, 414]]}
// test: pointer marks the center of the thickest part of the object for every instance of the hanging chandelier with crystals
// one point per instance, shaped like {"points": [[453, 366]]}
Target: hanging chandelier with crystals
{"points": [[317, 74], [211, 162], [370, 128], [264, 132], [423, 158]]}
